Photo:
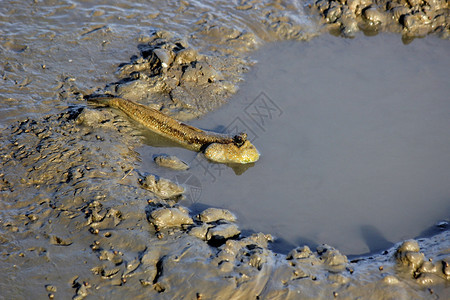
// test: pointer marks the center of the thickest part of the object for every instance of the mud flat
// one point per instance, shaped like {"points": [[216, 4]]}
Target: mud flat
{"points": [[79, 218]]}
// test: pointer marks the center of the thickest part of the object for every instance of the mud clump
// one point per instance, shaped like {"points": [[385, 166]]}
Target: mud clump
{"points": [[212, 214], [170, 217], [172, 76], [332, 257], [161, 187], [413, 18], [425, 272], [171, 162], [221, 233]]}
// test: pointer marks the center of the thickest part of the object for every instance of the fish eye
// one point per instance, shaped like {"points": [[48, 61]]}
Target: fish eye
{"points": [[240, 139]]}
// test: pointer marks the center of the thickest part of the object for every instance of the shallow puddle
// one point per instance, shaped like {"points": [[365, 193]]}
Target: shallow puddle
{"points": [[355, 143]]}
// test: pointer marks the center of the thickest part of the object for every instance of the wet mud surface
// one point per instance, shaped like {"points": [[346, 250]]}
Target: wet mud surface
{"points": [[412, 18], [120, 239], [80, 218]]}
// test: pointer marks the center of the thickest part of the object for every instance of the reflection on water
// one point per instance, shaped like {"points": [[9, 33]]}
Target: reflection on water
{"points": [[356, 153]]}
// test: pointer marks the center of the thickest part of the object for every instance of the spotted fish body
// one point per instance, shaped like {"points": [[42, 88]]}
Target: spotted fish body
{"points": [[217, 147]]}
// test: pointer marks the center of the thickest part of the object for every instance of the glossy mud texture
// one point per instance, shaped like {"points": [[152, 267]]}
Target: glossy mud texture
{"points": [[80, 218], [411, 18]]}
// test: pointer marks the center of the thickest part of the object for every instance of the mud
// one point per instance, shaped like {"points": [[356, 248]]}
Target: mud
{"points": [[76, 217], [415, 18], [173, 77], [171, 162]]}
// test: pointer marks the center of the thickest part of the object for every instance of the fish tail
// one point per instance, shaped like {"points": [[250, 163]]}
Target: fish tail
{"points": [[101, 100]]}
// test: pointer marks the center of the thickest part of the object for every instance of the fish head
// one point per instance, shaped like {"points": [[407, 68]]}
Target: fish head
{"points": [[231, 153]]}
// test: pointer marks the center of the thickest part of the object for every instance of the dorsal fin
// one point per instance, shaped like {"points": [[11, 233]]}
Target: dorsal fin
{"points": [[192, 127]]}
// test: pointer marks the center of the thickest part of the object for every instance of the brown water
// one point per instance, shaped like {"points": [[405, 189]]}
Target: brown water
{"points": [[355, 143]]}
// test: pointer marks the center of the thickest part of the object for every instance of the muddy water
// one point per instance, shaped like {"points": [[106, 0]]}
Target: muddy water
{"points": [[355, 143]]}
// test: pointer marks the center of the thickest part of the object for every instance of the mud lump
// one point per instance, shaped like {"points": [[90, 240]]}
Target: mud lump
{"points": [[413, 18]]}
